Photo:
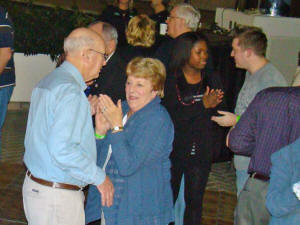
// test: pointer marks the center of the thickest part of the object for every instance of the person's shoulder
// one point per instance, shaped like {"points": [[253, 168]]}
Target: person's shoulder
{"points": [[281, 97], [287, 153], [272, 76], [279, 91], [60, 81], [159, 114], [117, 61], [167, 43]]}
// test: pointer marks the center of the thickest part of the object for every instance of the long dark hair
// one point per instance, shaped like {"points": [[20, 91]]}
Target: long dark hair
{"points": [[182, 49]]}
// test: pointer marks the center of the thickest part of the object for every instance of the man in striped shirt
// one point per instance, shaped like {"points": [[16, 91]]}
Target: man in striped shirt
{"points": [[269, 123]]}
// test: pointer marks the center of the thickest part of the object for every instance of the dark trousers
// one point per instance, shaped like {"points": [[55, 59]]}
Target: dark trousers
{"points": [[195, 177]]}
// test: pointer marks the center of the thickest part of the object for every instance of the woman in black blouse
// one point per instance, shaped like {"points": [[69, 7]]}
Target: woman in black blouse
{"points": [[192, 97], [140, 35], [119, 15]]}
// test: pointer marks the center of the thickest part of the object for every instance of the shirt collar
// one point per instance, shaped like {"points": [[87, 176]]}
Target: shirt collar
{"points": [[156, 100], [110, 56], [74, 72]]}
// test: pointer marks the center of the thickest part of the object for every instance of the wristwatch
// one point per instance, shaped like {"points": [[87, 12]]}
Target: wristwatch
{"points": [[117, 128]]}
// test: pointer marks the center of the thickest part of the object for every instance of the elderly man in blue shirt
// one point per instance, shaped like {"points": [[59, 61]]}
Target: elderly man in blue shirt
{"points": [[60, 147]]}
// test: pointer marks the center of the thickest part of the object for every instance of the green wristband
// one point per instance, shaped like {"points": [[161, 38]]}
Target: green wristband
{"points": [[238, 118], [99, 136]]}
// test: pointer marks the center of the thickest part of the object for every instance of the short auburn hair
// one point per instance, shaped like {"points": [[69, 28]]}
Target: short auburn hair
{"points": [[150, 69]]}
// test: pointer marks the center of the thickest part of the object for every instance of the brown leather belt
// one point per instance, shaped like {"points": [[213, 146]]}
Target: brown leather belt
{"points": [[53, 184], [259, 176]]}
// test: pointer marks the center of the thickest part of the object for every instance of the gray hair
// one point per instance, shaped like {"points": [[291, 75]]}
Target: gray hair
{"points": [[189, 14], [75, 43], [110, 32]]}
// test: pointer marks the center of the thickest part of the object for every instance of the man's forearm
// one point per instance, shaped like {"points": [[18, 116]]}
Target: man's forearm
{"points": [[5, 55]]}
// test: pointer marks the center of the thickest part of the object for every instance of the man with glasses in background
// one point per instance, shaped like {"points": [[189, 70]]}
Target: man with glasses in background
{"points": [[112, 78], [183, 18]]}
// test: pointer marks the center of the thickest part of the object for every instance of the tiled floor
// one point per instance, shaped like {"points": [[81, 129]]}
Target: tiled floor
{"points": [[219, 200]]}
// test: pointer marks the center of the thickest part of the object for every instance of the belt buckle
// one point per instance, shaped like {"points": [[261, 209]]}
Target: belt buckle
{"points": [[54, 185], [28, 173]]}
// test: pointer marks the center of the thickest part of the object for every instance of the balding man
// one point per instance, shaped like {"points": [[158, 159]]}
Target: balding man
{"points": [[183, 18], [112, 77], [60, 148]]}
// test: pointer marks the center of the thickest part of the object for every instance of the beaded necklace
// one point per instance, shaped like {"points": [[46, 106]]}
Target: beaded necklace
{"points": [[193, 98]]}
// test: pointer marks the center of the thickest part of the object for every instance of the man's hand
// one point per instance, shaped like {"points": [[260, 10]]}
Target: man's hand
{"points": [[227, 120], [106, 190]]}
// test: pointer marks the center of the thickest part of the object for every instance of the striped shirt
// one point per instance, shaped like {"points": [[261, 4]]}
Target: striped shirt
{"points": [[270, 122]]}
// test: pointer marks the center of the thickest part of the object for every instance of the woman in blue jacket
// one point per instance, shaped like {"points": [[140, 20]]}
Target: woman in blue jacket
{"points": [[135, 152]]}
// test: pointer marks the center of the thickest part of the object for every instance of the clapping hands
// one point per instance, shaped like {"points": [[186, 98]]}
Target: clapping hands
{"points": [[212, 97]]}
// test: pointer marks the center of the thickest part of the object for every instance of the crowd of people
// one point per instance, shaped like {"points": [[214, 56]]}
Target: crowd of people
{"points": [[140, 117]]}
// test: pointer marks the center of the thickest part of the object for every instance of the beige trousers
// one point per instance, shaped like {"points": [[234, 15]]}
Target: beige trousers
{"points": [[52, 206]]}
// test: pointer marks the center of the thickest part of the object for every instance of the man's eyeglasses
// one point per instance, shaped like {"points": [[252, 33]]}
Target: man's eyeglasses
{"points": [[104, 55], [173, 17]]}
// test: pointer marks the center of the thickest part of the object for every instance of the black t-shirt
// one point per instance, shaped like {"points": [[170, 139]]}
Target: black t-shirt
{"points": [[128, 52], [119, 19], [197, 138]]}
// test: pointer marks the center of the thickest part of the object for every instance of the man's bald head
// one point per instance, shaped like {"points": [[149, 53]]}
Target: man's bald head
{"points": [[109, 34], [83, 38], [85, 49]]}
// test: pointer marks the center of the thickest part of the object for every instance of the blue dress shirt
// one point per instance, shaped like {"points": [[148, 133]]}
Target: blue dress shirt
{"points": [[59, 141]]}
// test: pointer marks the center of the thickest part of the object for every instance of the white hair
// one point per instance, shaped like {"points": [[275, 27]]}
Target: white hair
{"points": [[110, 32], [189, 14], [75, 43]]}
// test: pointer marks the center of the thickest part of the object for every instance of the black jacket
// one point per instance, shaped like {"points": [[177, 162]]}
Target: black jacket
{"points": [[119, 19], [128, 52], [111, 80]]}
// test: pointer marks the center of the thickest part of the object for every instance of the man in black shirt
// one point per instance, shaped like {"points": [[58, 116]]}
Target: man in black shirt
{"points": [[112, 77], [183, 18]]}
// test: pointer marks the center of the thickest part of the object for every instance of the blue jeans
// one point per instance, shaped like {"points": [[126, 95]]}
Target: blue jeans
{"points": [[5, 94]]}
